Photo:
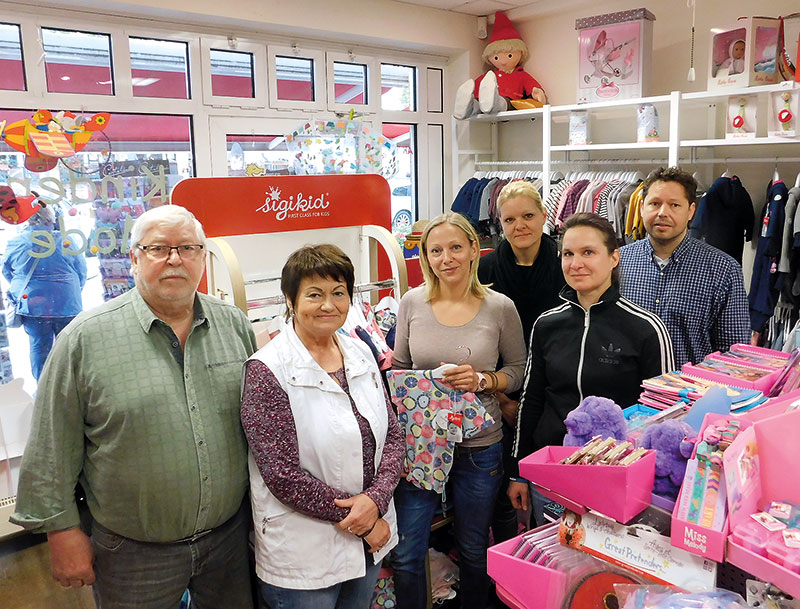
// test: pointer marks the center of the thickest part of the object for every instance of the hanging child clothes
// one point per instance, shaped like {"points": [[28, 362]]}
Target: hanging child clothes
{"points": [[725, 217], [765, 285], [434, 417]]}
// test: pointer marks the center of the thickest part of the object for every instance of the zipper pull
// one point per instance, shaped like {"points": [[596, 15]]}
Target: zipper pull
{"points": [[586, 319]]}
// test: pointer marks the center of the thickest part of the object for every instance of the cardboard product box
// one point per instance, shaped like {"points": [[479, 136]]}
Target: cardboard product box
{"points": [[744, 54], [742, 117], [758, 468], [691, 536], [588, 485], [784, 112], [614, 55], [640, 551]]}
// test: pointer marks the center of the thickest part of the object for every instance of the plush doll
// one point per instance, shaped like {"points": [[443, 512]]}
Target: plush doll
{"points": [[734, 63], [595, 416], [673, 442], [507, 85]]}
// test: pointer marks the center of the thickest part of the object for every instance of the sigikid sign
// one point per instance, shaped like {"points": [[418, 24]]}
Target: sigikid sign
{"points": [[104, 240]]}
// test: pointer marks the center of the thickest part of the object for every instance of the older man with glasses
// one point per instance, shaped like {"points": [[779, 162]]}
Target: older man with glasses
{"points": [[139, 404]]}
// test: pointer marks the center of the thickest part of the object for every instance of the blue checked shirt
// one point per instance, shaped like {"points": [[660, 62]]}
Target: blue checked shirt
{"points": [[699, 295]]}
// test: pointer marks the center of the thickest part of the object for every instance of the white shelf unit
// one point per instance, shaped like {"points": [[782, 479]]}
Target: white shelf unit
{"points": [[698, 113]]}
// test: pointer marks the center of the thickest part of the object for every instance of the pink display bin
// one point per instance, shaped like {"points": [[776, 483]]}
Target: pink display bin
{"points": [[693, 537], [524, 584], [770, 477], [763, 384], [774, 407], [589, 485]]}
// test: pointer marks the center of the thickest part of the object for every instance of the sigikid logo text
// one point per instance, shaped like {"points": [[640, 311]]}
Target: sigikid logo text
{"points": [[301, 207]]}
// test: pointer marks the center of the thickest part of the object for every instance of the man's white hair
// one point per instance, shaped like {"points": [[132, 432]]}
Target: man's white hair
{"points": [[168, 216]]}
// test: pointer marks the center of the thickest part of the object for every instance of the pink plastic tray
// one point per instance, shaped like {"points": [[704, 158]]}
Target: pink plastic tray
{"points": [[589, 485], [526, 585]]}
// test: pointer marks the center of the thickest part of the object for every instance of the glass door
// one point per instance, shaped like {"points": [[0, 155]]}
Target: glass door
{"points": [[250, 146]]}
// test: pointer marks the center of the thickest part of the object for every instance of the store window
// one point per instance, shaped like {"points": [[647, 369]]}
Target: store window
{"points": [[12, 70], [403, 184], [350, 83], [398, 87], [258, 155], [77, 62], [95, 196], [295, 78], [159, 68], [232, 74]]}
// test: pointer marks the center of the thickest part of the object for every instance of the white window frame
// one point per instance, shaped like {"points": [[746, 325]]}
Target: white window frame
{"points": [[320, 76], [193, 68], [372, 89], [258, 52]]}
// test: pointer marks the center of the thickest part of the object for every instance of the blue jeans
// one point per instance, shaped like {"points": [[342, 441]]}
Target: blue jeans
{"points": [[42, 332], [350, 594], [474, 481], [214, 567]]}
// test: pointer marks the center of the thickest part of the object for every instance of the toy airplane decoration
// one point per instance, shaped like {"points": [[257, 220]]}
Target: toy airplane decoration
{"points": [[46, 137]]}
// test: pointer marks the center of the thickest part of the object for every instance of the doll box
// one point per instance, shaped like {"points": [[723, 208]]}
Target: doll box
{"points": [[526, 585], [758, 470], [589, 485], [744, 54], [691, 536], [784, 112], [614, 55]]}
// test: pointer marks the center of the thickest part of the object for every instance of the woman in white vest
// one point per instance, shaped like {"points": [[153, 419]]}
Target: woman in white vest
{"points": [[325, 447]]}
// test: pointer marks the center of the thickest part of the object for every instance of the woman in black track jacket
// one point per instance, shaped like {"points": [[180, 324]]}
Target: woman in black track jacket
{"points": [[595, 343]]}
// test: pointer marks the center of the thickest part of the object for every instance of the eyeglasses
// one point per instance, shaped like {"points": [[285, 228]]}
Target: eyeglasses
{"points": [[159, 253]]}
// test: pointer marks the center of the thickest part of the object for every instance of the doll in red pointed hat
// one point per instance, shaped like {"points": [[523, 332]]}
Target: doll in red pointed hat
{"points": [[507, 85]]}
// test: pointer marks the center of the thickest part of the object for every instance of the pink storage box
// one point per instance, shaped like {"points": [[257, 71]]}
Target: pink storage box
{"points": [[760, 460], [742, 348], [589, 485], [693, 537], [763, 384], [774, 407], [524, 585]]}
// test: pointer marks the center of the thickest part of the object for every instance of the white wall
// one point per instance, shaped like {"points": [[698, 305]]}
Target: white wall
{"points": [[553, 40]]}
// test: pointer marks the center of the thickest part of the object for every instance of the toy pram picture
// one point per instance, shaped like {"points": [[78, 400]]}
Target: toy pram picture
{"points": [[613, 55]]}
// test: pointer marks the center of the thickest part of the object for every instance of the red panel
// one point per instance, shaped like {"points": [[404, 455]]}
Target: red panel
{"points": [[168, 84], [295, 90], [231, 86], [254, 205], [11, 75], [82, 79]]}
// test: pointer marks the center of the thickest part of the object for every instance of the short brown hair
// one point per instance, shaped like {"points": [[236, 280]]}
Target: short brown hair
{"points": [[601, 224], [672, 174], [325, 260]]}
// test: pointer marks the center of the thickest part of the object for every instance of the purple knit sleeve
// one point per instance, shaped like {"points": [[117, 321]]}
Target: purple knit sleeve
{"points": [[269, 426], [388, 474]]}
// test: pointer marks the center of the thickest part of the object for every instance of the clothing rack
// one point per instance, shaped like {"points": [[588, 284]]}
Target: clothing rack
{"points": [[690, 161], [385, 284]]}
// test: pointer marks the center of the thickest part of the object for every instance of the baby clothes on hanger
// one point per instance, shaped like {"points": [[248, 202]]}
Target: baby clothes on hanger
{"points": [[725, 217], [434, 417]]}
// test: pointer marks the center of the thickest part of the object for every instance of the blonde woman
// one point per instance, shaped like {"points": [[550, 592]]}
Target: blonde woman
{"points": [[455, 319], [526, 268]]}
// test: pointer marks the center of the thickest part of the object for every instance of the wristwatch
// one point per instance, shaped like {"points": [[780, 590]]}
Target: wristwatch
{"points": [[481, 381]]}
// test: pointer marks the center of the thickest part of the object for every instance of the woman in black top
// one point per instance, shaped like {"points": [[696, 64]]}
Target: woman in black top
{"points": [[595, 343], [525, 267]]}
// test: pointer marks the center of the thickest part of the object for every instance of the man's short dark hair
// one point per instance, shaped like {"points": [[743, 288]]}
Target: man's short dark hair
{"points": [[672, 174], [326, 260]]}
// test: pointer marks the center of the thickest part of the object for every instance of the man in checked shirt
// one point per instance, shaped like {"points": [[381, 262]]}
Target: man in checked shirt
{"points": [[139, 402], [697, 290]]}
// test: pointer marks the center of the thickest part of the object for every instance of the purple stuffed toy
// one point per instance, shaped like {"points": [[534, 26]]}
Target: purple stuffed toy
{"points": [[595, 416], [673, 442]]}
